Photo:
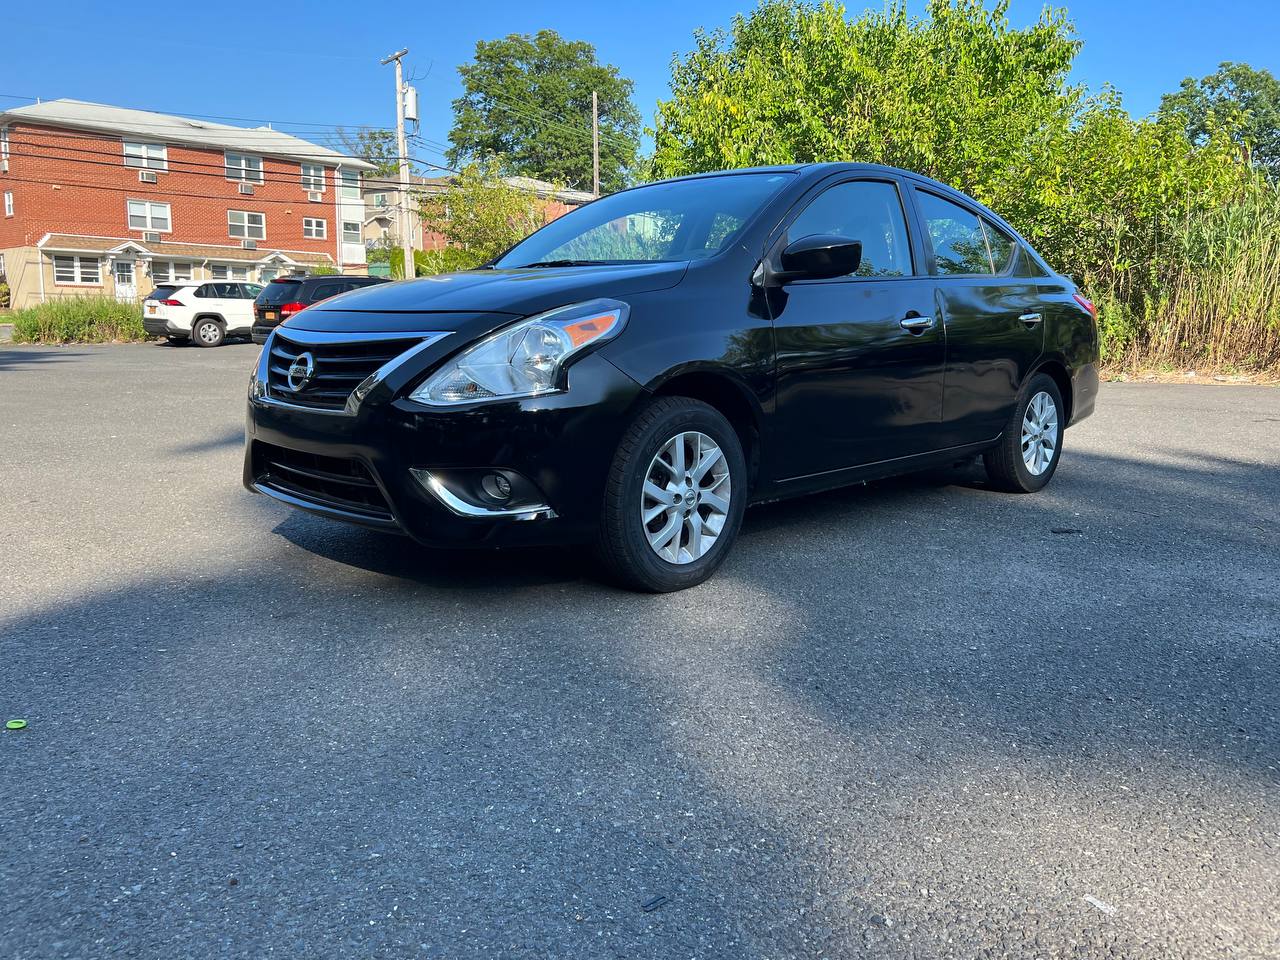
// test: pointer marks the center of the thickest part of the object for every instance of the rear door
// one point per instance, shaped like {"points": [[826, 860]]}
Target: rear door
{"points": [[993, 320], [859, 358], [239, 311]]}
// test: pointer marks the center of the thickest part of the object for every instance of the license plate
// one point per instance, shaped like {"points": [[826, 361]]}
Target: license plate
{"points": [[269, 315], [152, 308]]}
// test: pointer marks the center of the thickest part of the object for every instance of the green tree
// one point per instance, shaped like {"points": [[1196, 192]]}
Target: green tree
{"points": [[376, 146], [1236, 98], [482, 215], [527, 99]]}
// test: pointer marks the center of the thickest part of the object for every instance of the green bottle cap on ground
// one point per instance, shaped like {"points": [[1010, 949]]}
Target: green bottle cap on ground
{"points": [[16, 725]]}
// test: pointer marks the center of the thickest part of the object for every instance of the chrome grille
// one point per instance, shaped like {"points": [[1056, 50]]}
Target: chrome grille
{"points": [[339, 367]]}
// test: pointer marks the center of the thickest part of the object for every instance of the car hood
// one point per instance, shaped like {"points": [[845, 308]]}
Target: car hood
{"points": [[441, 301]]}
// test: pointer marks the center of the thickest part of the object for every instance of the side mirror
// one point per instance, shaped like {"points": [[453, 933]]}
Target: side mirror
{"points": [[822, 256]]}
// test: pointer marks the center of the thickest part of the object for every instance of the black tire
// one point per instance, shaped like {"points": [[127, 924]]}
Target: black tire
{"points": [[623, 545], [1006, 468], [208, 332], [178, 341]]}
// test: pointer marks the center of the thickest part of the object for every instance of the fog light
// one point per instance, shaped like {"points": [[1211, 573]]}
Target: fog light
{"points": [[496, 486]]}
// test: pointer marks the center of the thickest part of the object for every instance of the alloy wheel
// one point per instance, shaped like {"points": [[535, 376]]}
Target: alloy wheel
{"points": [[1039, 433], [685, 499]]}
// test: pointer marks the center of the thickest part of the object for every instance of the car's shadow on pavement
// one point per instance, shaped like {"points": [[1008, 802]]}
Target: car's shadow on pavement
{"points": [[916, 685]]}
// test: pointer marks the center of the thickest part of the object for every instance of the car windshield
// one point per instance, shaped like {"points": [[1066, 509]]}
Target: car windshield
{"points": [[280, 291], [682, 220]]}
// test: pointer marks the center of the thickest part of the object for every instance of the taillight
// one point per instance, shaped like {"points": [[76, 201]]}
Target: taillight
{"points": [[287, 308], [1087, 304], [173, 303]]}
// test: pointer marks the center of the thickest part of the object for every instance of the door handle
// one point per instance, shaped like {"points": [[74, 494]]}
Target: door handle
{"points": [[1030, 319], [915, 323]]}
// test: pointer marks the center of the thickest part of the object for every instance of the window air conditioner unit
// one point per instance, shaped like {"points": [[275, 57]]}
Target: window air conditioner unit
{"points": [[151, 238], [246, 188], [249, 244], [315, 196], [147, 176]]}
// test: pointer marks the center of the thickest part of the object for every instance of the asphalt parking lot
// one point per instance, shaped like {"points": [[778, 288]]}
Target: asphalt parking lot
{"points": [[913, 719]]}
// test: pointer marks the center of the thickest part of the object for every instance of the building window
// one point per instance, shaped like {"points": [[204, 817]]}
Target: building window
{"points": [[312, 176], [246, 226], [77, 270], [350, 184], [350, 231], [379, 199], [151, 156], [8, 203], [241, 166], [124, 273], [167, 271], [4, 149], [145, 215], [314, 228], [227, 271]]}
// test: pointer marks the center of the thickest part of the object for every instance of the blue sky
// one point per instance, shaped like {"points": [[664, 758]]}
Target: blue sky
{"points": [[312, 66]]}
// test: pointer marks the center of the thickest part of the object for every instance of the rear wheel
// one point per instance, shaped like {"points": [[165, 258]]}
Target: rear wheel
{"points": [[1025, 459], [208, 332], [675, 496]]}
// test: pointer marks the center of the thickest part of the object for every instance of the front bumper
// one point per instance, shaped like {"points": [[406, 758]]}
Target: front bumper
{"points": [[562, 443]]}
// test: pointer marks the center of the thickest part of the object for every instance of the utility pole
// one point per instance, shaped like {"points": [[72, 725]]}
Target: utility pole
{"points": [[595, 143], [406, 233]]}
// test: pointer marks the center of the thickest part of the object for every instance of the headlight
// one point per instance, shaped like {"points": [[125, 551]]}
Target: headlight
{"points": [[525, 359]]}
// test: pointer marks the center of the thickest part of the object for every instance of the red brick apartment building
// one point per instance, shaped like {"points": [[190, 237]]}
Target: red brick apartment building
{"points": [[106, 200]]}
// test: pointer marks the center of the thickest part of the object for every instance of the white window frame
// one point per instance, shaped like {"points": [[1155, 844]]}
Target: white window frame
{"points": [[357, 231], [229, 272], [124, 264], [4, 149], [380, 200], [80, 277], [349, 184], [149, 214], [169, 273], [245, 227], [240, 170], [310, 177], [149, 156], [309, 228], [8, 203]]}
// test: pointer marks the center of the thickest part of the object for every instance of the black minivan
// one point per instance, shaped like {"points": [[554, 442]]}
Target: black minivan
{"points": [[284, 296], [637, 372]]}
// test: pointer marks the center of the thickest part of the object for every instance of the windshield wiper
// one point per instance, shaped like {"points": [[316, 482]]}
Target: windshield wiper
{"points": [[561, 263]]}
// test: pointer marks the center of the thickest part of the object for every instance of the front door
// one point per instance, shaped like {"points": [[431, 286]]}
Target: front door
{"points": [[126, 283], [859, 358]]}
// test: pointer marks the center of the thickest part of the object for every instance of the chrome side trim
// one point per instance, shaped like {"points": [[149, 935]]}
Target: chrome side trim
{"points": [[456, 505], [368, 383]]}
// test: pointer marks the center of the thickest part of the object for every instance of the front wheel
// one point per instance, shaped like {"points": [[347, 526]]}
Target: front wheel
{"points": [[675, 496], [1028, 452]]}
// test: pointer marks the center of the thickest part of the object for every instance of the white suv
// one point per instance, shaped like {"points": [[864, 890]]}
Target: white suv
{"points": [[206, 313]]}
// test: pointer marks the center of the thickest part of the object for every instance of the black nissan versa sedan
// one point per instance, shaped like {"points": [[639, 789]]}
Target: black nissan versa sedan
{"points": [[637, 372]]}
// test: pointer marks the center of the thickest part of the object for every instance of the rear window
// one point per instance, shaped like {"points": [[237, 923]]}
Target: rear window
{"points": [[162, 292], [280, 291]]}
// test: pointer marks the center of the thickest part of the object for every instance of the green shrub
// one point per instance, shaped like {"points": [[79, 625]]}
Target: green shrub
{"points": [[79, 320], [429, 262]]}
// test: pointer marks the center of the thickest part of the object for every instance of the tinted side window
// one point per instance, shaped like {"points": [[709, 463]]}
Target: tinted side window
{"points": [[324, 291], [1000, 244], [205, 291], [959, 245], [228, 291], [865, 210]]}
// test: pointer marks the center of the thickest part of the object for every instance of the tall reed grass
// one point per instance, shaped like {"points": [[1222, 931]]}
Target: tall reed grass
{"points": [[94, 319]]}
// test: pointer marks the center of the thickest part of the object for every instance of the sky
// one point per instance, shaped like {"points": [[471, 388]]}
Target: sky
{"points": [[311, 67]]}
